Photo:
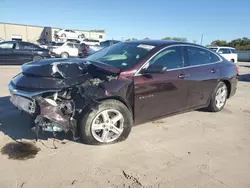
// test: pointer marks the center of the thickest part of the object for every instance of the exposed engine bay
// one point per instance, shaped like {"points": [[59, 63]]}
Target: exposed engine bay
{"points": [[60, 91]]}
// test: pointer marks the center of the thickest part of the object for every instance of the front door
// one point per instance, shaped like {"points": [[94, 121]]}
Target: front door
{"points": [[201, 66], [6, 53], [160, 93]]}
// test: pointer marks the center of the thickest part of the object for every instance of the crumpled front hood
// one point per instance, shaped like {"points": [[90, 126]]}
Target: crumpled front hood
{"points": [[60, 73], [62, 68]]}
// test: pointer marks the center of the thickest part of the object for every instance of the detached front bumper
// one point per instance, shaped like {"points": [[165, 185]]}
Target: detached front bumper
{"points": [[50, 117], [24, 100]]}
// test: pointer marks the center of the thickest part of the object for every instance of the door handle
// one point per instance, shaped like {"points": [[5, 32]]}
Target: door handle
{"points": [[213, 71], [182, 76]]}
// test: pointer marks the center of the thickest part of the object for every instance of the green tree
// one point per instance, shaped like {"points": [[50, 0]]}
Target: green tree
{"points": [[167, 38], [176, 39], [130, 39], [146, 38], [180, 39], [239, 43], [219, 43]]}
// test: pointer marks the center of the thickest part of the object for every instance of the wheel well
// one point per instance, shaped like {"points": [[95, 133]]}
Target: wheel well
{"points": [[122, 101], [64, 53], [232, 60], [228, 84]]}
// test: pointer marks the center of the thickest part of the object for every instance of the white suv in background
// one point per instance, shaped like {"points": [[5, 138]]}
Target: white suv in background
{"points": [[228, 53], [65, 50]]}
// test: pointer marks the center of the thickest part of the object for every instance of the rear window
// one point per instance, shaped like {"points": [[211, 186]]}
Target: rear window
{"points": [[199, 56], [70, 45], [27, 46]]}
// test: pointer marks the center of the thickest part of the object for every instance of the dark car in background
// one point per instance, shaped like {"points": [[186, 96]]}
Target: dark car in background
{"points": [[101, 97], [18, 52]]}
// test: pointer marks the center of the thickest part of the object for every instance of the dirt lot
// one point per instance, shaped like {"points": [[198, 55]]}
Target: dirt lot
{"points": [[194, 150]]}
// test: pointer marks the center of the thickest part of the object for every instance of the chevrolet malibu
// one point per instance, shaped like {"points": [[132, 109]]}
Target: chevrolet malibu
{"points": [[101, 97]]}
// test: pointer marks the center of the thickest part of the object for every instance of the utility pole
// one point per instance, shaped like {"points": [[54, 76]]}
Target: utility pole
{"points": [[201, 38]]}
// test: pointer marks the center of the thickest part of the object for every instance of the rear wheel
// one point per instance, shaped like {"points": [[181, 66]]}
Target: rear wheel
{"points": [[64, 55], [232, 60], [63, 35], [37, 58], [219, 98], [110, 122]]}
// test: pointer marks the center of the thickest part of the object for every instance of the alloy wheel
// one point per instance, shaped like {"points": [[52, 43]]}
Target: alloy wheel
{"points": [[107, 126], [221, 96]]}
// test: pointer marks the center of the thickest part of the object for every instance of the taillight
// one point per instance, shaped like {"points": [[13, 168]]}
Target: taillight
{"points": [[86, 48], [237, 69]]}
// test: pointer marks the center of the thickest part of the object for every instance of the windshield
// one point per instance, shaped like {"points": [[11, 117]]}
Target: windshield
{"points": [[122, 55]]}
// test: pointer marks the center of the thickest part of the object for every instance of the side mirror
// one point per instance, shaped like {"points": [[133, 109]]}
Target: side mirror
{"points": [[154, 69]]}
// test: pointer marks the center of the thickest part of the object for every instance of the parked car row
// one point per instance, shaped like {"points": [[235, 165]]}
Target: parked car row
{"points": [[18, 52]]}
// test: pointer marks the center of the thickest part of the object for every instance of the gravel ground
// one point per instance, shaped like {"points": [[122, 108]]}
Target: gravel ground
{"points": [[194, 150]]}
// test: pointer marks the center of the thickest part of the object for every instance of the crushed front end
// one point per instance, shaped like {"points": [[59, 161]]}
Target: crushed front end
{"points": [[56, 92]]}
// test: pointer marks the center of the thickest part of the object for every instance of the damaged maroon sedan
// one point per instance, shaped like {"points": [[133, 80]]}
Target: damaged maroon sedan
{"points": [[99, 98]]}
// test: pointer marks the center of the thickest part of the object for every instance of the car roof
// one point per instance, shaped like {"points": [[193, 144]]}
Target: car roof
{"points": [[161, 42], [221, 47], [14, 41]]}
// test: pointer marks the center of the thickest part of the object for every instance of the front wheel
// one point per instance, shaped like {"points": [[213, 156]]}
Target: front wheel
{"points": [[219, 98], [109, 122]]}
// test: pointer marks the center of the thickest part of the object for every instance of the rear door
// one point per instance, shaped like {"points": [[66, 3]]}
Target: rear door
{"points": [[24, 51], [158, 94], [71, 49], [201, 75]]}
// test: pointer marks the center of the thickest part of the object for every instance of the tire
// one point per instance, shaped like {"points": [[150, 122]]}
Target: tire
{"points": [[63, 35], [214, 105], [232, 60], [90, 135], [37, 58], [64, 55]]}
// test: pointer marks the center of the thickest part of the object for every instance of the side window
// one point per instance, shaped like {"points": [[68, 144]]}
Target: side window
{"points": [[70, 45], [233, 51], [199, 56], [27, 46], [224, 51], [171, 58], [76, 45], [6, 45]]}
